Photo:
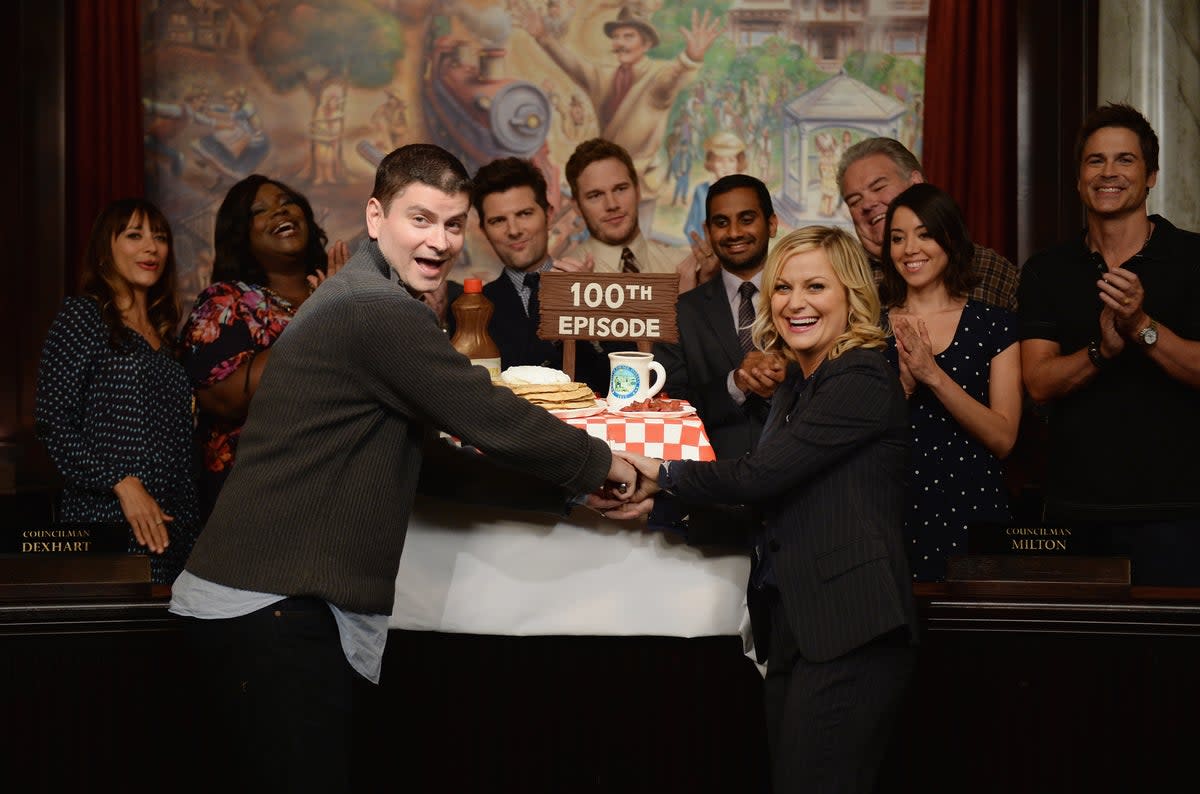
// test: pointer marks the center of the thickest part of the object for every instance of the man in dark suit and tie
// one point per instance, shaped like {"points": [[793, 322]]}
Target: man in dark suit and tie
{"points": [[509, 196], [714, 365]]}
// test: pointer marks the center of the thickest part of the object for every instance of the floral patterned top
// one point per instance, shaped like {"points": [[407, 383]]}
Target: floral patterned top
{"points": [[230, 323]]}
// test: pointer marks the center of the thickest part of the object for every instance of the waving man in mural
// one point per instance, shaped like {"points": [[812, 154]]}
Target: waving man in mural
{"points": [[633, 96]]}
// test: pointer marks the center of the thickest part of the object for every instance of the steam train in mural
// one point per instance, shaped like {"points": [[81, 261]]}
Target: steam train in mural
{"points": [[474, 111]]}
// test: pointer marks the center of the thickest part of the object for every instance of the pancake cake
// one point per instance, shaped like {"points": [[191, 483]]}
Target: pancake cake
{"points": [[552, 389]]}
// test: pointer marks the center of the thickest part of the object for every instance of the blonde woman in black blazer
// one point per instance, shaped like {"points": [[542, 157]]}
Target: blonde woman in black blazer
{"points": [[830, 594]]}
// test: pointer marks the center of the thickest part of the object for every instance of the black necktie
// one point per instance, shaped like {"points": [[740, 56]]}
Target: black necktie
{"points": [[629, 262], [746, 316], [532, 281]]}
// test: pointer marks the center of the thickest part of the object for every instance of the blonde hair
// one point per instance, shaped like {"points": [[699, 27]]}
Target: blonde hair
{"points": [[849, 264]]}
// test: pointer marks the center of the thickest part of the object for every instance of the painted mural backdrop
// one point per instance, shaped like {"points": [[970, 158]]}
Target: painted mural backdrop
{"points": [[315, 92]]}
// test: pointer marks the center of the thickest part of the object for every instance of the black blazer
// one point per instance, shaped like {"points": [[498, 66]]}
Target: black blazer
{"points": [[699, 363], [516, 336], [828, 478]]}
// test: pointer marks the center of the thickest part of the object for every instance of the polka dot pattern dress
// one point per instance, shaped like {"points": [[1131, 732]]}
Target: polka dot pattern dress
{"points": [[954, 480], [105, 414]]}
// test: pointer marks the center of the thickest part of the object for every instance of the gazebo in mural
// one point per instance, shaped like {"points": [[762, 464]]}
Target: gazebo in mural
{"points": [[840, 103]]}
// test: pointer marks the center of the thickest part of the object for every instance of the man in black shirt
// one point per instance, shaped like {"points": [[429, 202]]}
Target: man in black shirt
{"points": [[1111, 339]]}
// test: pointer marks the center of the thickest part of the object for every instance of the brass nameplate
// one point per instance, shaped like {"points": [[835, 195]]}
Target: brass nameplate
{"points": [[1048, 576], [57, 577], [66, 538], [1026, 539]]}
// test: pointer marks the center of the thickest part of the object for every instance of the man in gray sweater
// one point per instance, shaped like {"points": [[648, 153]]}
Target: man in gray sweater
{"points": [[289, 589]]}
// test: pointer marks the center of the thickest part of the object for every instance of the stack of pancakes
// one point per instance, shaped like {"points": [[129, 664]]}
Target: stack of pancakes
{"points": [[556, 396], [550, 388]]}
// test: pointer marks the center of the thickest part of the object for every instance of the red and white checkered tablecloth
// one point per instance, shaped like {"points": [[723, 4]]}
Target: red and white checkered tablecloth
{"points": [[656, 437]]}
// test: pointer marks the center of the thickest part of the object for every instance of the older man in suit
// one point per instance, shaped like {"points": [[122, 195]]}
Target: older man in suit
{"points": [[714, 365]]}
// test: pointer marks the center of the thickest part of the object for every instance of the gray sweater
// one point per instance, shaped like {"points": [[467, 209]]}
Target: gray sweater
{"points": [[329, 460]]}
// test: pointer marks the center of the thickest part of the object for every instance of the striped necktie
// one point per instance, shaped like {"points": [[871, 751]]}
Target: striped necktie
{"points": [[629, 262], [746, 316]]}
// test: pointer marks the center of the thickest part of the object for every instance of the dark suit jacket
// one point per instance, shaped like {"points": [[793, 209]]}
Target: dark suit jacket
{"points": [[516, 336], [829, 480], [699, 363]]}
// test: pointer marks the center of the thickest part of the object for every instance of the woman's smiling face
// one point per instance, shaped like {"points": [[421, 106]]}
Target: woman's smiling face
{"points": [[278, 230], [918, 258], [809, 306]]}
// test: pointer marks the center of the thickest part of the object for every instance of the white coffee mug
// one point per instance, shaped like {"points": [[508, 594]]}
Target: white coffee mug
{"points": [[629, 378]]}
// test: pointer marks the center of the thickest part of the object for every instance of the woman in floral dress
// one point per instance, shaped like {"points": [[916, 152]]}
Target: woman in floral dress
{"points": [[270, 256]]}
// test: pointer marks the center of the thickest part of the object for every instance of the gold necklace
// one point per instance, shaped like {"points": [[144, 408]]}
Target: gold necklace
{"points": [[285, 305]]}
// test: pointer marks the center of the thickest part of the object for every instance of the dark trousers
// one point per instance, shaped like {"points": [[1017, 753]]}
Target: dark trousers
{"points": [[829, 723], [274, 706], [1161, 553]]}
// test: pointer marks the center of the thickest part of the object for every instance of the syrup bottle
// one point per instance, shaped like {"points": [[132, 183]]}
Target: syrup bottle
{"points": [[472, 313]]}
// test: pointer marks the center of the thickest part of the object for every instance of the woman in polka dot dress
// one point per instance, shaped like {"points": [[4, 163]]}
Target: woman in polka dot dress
{"points": [[114, 406], [960, 367]]}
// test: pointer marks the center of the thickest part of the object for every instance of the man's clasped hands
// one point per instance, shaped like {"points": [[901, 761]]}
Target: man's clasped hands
{"points": [[629, 491]]}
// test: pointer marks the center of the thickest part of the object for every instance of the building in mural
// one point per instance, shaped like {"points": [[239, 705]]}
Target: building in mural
{"points": [[830, 30], [819, 126], [316, 92], [200, 24]]}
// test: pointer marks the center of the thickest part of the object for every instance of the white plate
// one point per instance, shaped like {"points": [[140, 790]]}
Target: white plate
{"points": [[685, 411], [577, 413]]}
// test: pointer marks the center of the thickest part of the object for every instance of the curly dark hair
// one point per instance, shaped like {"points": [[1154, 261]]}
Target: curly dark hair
{"points": [[944, 222], [99, 280], [232, 260]]}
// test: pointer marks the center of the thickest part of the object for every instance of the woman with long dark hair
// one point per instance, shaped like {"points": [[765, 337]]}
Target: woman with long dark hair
{"points": [[114, 406], [270, 256], [961, 369]]}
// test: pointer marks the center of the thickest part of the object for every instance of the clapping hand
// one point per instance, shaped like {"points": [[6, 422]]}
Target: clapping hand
{"points": [[915, 353], [567, 265], [337, 255], [760, 373], [1111, 340], [707, 263], [1122, 293]]}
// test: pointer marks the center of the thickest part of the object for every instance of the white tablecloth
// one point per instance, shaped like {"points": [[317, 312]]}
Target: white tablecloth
{"points": [[486, 571]]}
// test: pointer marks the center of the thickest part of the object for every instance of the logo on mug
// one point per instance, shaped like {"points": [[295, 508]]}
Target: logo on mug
{"points": [[625, 382]]}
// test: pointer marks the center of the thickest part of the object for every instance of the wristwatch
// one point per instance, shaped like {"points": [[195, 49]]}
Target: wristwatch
{"points": [[1148, 335], [1097, 359]]}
